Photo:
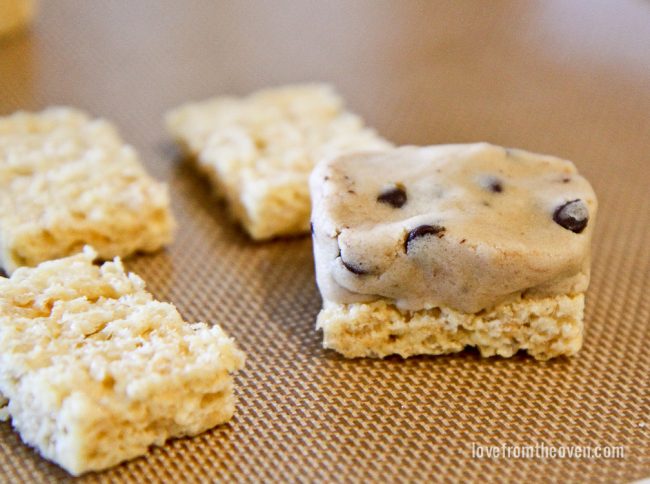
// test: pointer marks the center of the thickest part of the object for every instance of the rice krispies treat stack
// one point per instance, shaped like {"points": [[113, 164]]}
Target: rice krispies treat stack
{"points": [[67, 180], [259, 150], [95, 370], [429, 250]]}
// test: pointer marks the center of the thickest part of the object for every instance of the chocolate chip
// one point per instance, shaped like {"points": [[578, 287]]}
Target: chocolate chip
{"points": [[421, 231], [566, 180], [572, 215], [495, 186], [353, 269], [394, 196], [492, 183]]}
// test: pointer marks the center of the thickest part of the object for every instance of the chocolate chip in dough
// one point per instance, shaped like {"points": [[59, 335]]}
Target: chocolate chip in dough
{"points": [[394, 196], [493, 184], [421, 231], [572, 215], [353, 268]]}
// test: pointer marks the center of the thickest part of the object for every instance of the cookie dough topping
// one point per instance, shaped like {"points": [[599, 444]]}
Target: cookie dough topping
{"points": [[467, 226]]}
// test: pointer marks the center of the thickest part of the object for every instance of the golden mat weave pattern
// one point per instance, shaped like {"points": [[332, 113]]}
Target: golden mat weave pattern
{"points": [[305, 413]]}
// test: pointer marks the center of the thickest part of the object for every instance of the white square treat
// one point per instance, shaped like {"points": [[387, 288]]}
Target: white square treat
{"points": [[258, 151], [95, 370], [67, 180]]}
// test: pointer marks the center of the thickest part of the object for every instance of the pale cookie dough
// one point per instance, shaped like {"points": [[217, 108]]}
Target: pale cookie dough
{"points": [[15, 15], [95, 370], [453, 240], [259, 150], [67, 180]]}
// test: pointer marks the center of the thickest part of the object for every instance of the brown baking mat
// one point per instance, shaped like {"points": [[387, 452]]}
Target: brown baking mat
{"points": [[519, 74]]}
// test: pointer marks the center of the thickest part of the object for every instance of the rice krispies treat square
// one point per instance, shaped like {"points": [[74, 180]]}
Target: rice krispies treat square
{"points": [[95, 370], [544, 327], [258, 151], [67, 180]]}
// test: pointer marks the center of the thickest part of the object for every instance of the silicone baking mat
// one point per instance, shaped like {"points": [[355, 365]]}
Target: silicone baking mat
{"points": [[566, 78]]}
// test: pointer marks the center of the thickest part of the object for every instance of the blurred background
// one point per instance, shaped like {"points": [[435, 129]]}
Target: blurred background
{"points": [[565, 77], [554, 76]]}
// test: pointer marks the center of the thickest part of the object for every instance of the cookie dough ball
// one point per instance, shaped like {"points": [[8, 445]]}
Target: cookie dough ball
{"points": [[464, 226]]}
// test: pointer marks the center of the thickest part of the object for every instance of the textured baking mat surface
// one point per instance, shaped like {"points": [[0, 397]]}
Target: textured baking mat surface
{"points": [[519, 75]]}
